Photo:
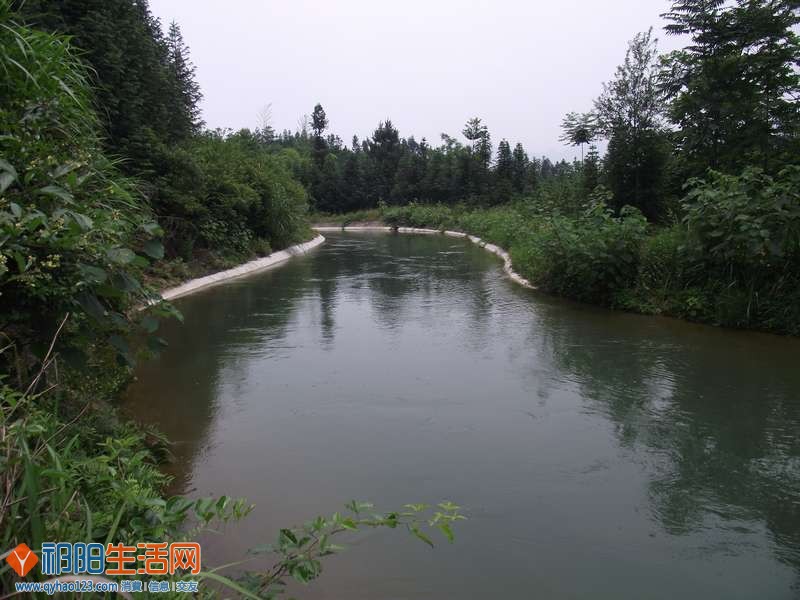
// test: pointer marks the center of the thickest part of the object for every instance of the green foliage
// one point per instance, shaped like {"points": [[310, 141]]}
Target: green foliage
{"points": [[299, 550], [733, 88], [387, 168], [734, 259], [185, 112], [418, 215], [629, 114], [225, 193], [70, 474], [750, 221], [579, 129], [344, 219], [587, 258], [145, 89], [74, 236]]}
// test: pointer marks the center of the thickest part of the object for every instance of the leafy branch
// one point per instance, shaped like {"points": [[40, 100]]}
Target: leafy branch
{"points": [[300, 550]]}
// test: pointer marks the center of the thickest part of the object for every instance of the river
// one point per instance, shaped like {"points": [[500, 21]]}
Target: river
{"points": [[597, 454]]}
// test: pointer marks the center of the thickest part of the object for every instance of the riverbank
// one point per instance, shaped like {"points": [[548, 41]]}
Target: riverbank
{"points": [[617, 261]]}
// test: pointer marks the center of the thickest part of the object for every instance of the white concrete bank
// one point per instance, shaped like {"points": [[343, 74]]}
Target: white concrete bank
{"points": [[507, 266], [245, 269]]}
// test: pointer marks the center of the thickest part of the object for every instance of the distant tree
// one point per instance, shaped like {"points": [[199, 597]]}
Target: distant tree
{"points": [[546, 168], [504, 164], [503, 188], [578, 129], [519, 168], [406, 178], [475, 166], [478, 135], [353, 193], [319, 123], [385, 153], [186, 115], [334, 142], [265, 130], [326, 191], [303, 123], [591, 170], [734, 89]]}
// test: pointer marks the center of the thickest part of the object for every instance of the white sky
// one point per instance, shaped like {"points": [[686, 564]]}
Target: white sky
{"points": [[428, 65]]}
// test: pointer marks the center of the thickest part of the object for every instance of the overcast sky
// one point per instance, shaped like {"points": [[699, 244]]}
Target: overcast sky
{"points": [[428, 65]]}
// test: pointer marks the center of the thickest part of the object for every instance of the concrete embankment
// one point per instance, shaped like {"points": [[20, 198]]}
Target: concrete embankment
{"points": [[245, 269]]}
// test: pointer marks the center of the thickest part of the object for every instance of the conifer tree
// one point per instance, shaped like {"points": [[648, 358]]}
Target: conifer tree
{"points": [[384, 153], [504, 164], [185, 118], [135, 91], [591, 170], [519, 168]]}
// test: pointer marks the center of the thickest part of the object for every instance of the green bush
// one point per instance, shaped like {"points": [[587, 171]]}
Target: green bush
{"points": [[435, 216], [744, 245], [220, 193], [587, 258], [741, 224], [74, 235]]}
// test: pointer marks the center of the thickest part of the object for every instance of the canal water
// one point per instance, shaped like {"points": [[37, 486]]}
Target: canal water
{"points": [[597, 454]]}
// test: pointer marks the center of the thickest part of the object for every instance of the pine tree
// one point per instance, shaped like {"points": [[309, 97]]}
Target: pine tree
{"points": [[503, 165], [125, 46], [503, 188], [384, 153], [519, 168], [185, 117], [475, 165], [591, 170]]}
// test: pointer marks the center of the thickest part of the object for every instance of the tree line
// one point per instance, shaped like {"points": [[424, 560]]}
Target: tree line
{"points": [[725, 102]]}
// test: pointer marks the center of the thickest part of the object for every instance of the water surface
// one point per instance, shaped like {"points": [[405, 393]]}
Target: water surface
{"points": [[598, 454]]}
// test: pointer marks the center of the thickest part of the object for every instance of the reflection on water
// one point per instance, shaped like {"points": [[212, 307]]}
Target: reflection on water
{"points": [[599, 454]]}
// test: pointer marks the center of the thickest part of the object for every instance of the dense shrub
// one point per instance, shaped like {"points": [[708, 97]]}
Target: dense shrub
{"points": [[436, 216], [587, 258], [227, 194], [743, 225], [744, 233]]}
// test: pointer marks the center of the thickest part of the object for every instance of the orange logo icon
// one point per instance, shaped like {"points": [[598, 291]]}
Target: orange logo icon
{"points": [[22, 559]]}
